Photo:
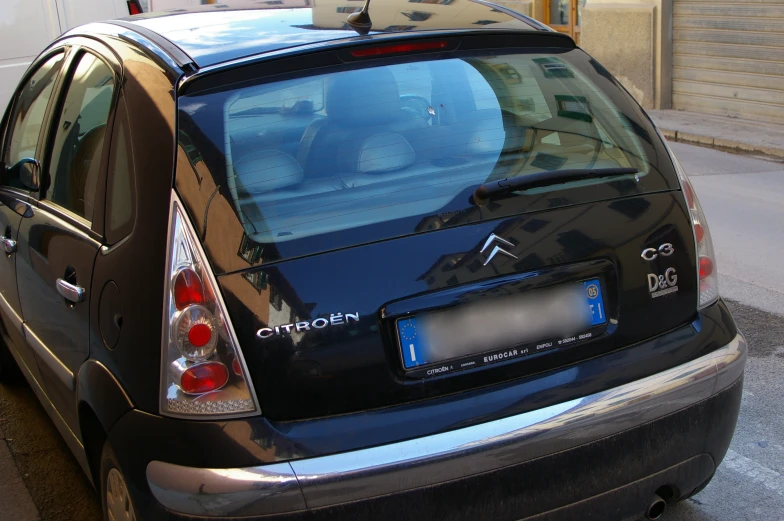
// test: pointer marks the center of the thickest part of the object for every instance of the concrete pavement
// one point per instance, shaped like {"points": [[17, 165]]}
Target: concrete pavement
{"points": [[742, 198], [52, 477], [737, 135], [15, 501]]}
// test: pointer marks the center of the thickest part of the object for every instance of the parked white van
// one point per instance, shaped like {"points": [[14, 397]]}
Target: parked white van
{"points": [[28, 26]]}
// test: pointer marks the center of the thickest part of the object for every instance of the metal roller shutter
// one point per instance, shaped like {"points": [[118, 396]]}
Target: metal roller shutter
{"points": [[728, 58]]}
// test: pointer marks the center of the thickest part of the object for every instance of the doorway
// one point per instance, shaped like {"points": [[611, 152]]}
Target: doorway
{"points": [[564, 16]]}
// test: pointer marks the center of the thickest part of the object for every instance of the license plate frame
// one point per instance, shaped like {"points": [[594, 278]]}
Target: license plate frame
{"points": [[417, 366]]}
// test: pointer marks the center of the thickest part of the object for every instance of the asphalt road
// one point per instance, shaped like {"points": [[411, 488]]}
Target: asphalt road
{"points": [[742, 198]]}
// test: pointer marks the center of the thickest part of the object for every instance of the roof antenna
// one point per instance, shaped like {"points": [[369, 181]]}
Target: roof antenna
{"points": [[360, 21]]}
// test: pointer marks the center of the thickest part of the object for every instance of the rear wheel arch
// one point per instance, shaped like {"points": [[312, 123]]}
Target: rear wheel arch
{"points": [[101, 402], [93, 438]]}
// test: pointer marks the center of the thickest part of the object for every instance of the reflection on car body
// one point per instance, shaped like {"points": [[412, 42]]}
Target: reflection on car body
{"points": [[259, 266]]}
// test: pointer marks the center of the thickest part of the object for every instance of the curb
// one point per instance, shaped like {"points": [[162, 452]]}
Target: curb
{"points": [[721, 144], [17, 504]]}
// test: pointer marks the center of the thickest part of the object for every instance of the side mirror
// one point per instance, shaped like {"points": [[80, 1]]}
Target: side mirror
{"points": [[27, 170]]}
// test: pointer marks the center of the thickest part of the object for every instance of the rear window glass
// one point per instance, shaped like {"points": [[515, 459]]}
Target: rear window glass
{"points": [[383, 151]]}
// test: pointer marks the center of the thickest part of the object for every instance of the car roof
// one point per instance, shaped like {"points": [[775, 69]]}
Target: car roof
{"points": [[213, 34]]}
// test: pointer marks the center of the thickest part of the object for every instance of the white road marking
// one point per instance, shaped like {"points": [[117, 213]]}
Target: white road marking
{"points": [[22, 64], [413, 354], [768, 478]]}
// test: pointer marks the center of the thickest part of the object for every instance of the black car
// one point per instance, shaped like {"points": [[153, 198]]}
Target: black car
{"points": [[430, 262]]}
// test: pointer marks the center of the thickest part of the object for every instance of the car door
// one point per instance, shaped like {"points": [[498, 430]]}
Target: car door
{"points": [[21, 137], [59, 242]]}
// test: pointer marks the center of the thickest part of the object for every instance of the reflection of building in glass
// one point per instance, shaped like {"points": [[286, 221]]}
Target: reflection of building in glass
{"points": [[417, 16], [257, 279], [250, 251], [392, 16], [261, 295], [165, 5]]}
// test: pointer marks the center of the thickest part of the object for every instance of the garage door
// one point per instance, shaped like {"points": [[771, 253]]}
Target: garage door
{"points": [[728, 58]]}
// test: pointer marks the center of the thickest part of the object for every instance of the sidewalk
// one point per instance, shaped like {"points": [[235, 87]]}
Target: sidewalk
{"points": [[721, 132], [15, 501]]}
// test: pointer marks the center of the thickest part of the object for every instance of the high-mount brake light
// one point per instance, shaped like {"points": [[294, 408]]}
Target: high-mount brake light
{"points": [[134, 7], [400, 48], [706, 260], [199, 345]]}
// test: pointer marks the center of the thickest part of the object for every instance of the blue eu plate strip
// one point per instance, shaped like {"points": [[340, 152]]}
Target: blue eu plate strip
{"points": [[593, 296], [412, 342]]}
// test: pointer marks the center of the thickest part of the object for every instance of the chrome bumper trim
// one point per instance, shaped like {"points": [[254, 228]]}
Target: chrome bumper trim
{"points": [[340, 478]]}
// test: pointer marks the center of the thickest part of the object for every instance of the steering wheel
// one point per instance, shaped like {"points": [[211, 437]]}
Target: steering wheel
{"points": [[418, 105]]}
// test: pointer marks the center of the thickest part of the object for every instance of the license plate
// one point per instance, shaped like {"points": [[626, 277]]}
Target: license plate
{"points": [[501, 328]]}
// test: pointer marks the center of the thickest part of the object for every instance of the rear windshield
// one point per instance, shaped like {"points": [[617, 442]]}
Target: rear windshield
{"points": [[343, 157]]}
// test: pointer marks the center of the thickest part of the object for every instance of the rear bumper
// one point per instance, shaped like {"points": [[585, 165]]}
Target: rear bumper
{"points": [[684, 396]]}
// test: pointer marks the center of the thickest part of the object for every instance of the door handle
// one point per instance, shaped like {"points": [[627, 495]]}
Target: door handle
{"points": [[9, 245], [71, 292]]}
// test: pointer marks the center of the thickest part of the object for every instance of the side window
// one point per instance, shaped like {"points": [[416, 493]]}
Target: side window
{"points": [[121, 187], [78, 143], [28, 116]]}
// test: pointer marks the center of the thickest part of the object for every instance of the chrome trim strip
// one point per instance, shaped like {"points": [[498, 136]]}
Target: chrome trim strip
{"points": [[271, 489], [366, 473], [45, 355], [11, 313], [73, 442]]}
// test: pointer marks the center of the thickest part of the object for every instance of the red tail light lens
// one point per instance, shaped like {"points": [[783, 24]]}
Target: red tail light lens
{"points": [[401, 48], [708, 279], [194, 333], [200, 352], [699, 232], [688, 192], [706, 267], [204, 378], [187, 289], [236, 367], [200, 335]]}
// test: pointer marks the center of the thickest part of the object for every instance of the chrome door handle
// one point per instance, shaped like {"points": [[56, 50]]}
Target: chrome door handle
{"points": [[9, 245], [71, 292]]}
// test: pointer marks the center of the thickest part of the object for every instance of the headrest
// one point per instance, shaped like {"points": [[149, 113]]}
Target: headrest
{"points": [[487, 136], [267, 170], [378, 153], [496, 135], [363, 97]]}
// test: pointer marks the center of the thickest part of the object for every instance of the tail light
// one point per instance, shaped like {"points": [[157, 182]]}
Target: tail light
{"points": [[401, 48], [706, 259], [202, 369], [134, 7]]}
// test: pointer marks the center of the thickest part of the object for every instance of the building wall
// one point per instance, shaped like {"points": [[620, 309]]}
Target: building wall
{"points": [[622, 37]]}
